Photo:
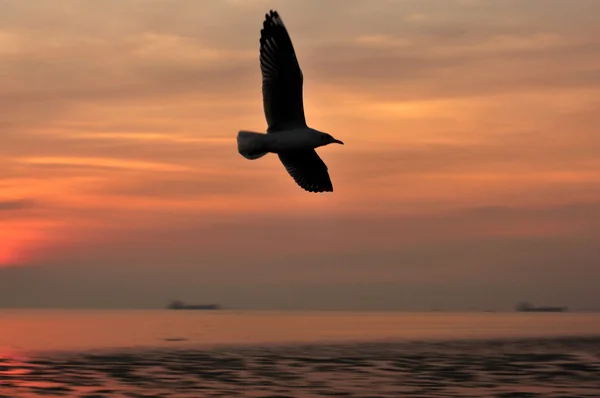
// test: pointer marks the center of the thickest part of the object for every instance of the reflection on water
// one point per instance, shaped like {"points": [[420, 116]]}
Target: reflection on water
{"points": [[75, 330], [559, 367], [228, 354]]}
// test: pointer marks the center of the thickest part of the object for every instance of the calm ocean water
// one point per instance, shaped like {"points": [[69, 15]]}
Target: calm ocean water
{"points": [[187, 354], [60, 330]]}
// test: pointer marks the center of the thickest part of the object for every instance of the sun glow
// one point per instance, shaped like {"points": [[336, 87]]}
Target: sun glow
{"points": [[9, 252], [19, 242]]}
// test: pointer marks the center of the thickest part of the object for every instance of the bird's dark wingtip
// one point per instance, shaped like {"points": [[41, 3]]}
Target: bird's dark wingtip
{"points": [[270, 17], [320, 189]]}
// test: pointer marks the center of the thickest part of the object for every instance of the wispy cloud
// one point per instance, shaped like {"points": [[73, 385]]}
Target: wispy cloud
{"points": [[179, 138], [18, 204], [104, 162]]}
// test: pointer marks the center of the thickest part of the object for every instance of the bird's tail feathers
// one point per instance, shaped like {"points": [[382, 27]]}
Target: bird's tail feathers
{"points": [[252, 145]]}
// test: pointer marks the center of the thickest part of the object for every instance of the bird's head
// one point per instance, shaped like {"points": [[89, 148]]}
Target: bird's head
{"points": [[326, 139]]}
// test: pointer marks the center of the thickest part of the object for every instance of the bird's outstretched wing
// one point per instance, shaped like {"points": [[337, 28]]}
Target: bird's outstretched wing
{"points": [[282, 77], [307, 169]]}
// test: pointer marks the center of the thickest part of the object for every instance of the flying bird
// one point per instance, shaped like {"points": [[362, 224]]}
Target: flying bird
{"points": [[287, 134]]}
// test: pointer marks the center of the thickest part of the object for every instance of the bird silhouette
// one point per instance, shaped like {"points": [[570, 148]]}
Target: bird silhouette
{"points": [[287, 134]]}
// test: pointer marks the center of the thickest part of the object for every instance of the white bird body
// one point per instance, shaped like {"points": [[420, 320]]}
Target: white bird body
{"points": [[302, 138], [294, 139], [287, 135]]}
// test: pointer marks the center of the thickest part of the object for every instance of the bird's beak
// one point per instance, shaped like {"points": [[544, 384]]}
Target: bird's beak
{"points": [[337, 142]]}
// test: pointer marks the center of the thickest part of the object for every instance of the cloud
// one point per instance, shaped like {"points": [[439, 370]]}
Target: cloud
{"points": [[103, 163], [16, 205], [430, 69], [464, 262]]}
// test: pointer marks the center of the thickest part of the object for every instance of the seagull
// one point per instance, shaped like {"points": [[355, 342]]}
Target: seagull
{"points": [[287, 134]]}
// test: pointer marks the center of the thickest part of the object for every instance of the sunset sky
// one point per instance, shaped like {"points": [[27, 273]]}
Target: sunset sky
{"points": [[470, 174]]}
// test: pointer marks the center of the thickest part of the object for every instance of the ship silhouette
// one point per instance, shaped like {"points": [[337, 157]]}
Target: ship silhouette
{"points": [[524, 306], [180, 305]]}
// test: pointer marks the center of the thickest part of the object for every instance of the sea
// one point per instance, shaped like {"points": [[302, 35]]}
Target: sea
{"points": [[168, 353]]}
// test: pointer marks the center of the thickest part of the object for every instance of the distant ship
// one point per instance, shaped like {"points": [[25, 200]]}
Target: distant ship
{"points": [[180, 305], [527, 307]]}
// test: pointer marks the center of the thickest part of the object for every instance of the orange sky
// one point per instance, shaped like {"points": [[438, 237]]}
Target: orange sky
{"points": [[464, 121]]}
